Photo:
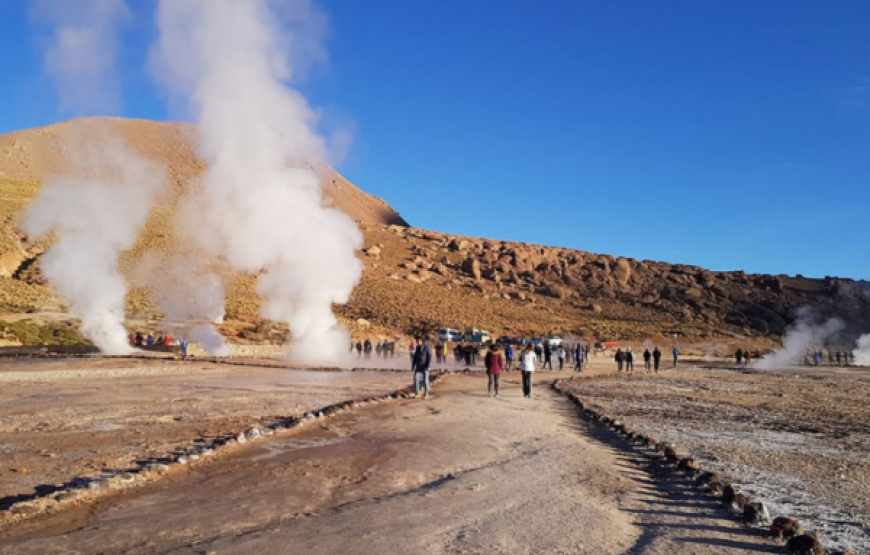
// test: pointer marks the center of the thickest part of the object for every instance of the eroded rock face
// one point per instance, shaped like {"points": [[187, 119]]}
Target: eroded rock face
{"points": [[471, 266]]}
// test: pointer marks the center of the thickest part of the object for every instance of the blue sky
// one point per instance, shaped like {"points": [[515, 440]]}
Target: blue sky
{"points": [[732, 135]]}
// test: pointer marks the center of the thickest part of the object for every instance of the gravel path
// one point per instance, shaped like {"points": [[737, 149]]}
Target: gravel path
{"points": [[459, 473]]}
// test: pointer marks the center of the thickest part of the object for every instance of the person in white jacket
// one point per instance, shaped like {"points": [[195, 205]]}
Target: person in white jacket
{"points": [[527, 365]]}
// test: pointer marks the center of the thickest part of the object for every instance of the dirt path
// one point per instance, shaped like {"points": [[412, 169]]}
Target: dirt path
{"points": [[459, 473]]}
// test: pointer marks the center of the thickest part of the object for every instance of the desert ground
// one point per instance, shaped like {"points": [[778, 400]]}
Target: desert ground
{"points": [[458, 473], [798, 438]]}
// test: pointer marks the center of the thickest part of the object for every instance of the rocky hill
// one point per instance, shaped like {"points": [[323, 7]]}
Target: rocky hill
{"points": [[416, 278]]}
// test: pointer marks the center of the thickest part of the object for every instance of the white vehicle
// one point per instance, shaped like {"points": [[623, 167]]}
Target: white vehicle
{"points": [[450, 335], [554, 341]]}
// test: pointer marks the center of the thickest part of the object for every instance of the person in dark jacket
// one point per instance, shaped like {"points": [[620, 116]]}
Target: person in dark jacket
{"points": [[422, 360], [657, 359], [579, 357], [629, 360], [619, 357], [647, 358], [738, 356], [548, 356], [494, 363]]}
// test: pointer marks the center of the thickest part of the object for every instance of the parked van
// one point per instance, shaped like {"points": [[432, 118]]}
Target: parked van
{"points": [[475, 335], [449, 334]]}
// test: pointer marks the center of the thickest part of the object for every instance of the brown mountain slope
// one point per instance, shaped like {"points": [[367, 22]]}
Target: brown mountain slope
{"points": [[33, 154], [417, 278]]}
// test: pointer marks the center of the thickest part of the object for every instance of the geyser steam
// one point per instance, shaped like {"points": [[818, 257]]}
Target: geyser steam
{"points": [[98, 209], [862, 352], [805, 333], [259, 206], [96, 219]]}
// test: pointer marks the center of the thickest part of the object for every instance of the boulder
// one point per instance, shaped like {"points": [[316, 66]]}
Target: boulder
{"points": [[756, 513], [471, 266], [806, 544], [458, 245], [784, 527], [621, 270]]}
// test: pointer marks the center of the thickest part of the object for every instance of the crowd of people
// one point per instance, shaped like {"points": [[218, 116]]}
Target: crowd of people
{"points": [[652, 360], [818, 357], [151, 340], [497, 359]]}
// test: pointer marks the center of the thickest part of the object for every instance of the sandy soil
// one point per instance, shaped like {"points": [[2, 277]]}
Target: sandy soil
{"points": [[797, 438], [459, 473], [67, 418]]}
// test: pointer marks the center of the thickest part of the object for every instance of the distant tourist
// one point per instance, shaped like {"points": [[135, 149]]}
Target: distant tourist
{"points": [[676, 353], [509, 356], [184, 346], [839, 359], [739, 356], [494, 363], [548, 357], [647, 360], [139, 339], [367, 348], [629, 361], [579, 358], [539, 352], [560, 356], [657, 359], [619, 357], [422, 360], [527, 364], [359, 348], [149, 340]]}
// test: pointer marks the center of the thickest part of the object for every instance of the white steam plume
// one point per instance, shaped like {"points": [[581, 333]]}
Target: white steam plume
{"points": [[259, 205], [96, 218], [81, 51], [190, 297], [98, 209], [805, 333], [862, 353]]}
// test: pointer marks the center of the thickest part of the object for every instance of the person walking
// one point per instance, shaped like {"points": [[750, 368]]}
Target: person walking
{"points": [[367, 348], [579, 358], [494, 363], [539, 352], [738, 356], [657, 359], [676, 353], [629, 361], [647, 357], [527, 364], [560, 356], [422, 360], [548, 357], [509, 356], [619, 357], [184, 344]]}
